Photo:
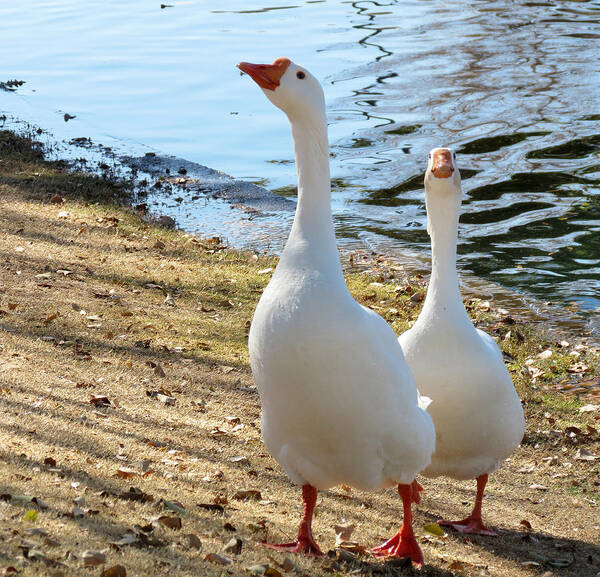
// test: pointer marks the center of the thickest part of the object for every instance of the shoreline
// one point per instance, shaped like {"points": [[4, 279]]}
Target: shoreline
{"points": [[551, 317], [177, 177]]}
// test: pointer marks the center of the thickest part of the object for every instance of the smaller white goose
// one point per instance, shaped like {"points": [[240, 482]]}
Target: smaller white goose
{"points": [[339, 404], [477, 413]]}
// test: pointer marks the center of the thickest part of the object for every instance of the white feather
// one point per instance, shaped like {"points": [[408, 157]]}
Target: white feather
{"points": [[477, 413], [339, 402]]}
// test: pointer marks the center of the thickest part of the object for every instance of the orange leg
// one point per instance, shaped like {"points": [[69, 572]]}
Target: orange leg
{"points": [[403, 544], [305, 543], [417, 489], [473, 524]]}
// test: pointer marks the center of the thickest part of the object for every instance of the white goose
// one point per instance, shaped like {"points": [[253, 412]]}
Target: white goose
{"points": [[339, 401], [477, 414]]}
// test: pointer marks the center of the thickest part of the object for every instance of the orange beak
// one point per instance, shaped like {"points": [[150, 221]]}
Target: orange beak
{"points": [[442, 165], [266, 75]]}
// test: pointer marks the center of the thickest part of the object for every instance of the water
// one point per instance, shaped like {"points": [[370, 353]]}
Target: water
{"points": [[514, 87]]}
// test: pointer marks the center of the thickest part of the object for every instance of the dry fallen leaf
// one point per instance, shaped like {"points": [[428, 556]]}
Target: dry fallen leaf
{"points": [[535, 372], [50, 318], [194, 542], [585, 455], [135, 494], [234, 546], [220, 499], [99, 400], [128, 538], [343, 533], [417, 297], [93, 558], [166, 399], [126, 473], [353, 547], [114, 571], [265, 570], [240, 460], [577, 368], [216, 558], [170, 522]]}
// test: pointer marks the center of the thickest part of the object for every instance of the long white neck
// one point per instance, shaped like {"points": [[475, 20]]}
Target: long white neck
{"points": [[443, 295], [312, 238]]}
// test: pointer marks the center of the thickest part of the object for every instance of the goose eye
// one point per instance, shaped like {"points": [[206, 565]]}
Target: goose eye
{"points": [[300, 75]]}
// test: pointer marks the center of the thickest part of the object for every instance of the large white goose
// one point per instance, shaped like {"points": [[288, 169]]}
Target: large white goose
{"points": [[339, 401], [477, 414]]}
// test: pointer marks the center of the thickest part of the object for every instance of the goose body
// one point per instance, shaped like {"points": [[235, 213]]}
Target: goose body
{"points": [[337, 407], [475, 408], [339, 403], [477, 413]]}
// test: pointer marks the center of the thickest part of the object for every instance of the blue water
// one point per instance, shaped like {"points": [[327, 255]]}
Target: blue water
{"points": [[513, 86]]}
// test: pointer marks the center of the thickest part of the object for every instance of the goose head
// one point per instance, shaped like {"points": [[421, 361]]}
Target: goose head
{"points": [[290, 87], [443, 191], [442, 173]]}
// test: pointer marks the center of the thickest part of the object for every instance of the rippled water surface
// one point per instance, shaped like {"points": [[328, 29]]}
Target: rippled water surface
{"points": [[514, 87]]}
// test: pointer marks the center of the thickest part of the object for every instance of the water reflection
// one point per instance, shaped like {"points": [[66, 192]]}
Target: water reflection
{"points": [[516, 93], [362, 10], [493, 143], [578, 148]]}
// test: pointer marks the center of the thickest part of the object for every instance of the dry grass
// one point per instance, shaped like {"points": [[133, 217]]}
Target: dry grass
{"points": [[83, 313]]}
